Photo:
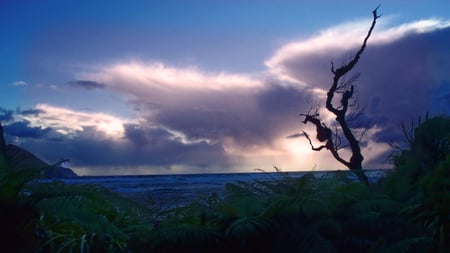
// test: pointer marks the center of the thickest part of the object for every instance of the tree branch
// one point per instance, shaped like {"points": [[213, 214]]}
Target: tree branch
{"points": [[324, 134], [310, 143], [338, 73], [346, 68]]}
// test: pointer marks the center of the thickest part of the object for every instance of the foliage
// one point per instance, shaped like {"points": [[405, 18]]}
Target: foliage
{"points": [[57, 217], [17, 216], [421, 178], [429, 144], [407, 211], [86, 218], [306, 214], [435, 207]]}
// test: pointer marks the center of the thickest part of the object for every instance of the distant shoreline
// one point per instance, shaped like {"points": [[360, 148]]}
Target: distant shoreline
{"points": [[236, 173], [181, 189]]}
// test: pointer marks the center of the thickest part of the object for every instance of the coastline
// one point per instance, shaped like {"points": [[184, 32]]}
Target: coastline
{"points": [[181, 189]]}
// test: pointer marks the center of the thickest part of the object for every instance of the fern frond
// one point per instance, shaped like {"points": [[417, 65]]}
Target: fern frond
{"points": [[354, 243], [248, 226], [377, 203], [408, 245], [185, 237]]}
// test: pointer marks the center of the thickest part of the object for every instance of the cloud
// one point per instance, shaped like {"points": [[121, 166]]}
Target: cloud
{"points": [[86, 84], [6, 115], [19, 83], [240, 124], [152, 148], [10, 115], [94, 140], [305, 61], [247, 117], [23, 129], [173, 95], [156, 75], [68, 122], [441, 96], [238, 111], [403, 69], [34, 112], [190, 120]]}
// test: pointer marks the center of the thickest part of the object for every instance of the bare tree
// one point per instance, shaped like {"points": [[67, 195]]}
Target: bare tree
{"points": [[346, 90]]}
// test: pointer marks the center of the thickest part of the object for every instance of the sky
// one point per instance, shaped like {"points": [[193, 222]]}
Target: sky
{"points": [[161, 87]]}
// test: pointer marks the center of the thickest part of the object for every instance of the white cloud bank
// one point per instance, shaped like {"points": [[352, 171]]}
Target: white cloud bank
{"points": [[161, 76], [69, 122], [336, 41]]}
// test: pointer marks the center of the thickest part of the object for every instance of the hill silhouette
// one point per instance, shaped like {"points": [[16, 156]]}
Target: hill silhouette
{"points": [[20, 158]]}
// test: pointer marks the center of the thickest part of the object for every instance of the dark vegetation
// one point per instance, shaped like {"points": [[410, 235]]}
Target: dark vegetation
{"points": [[406, 211]]}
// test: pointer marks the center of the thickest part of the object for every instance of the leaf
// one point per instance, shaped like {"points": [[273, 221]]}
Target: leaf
{"points": [[248, 226]]}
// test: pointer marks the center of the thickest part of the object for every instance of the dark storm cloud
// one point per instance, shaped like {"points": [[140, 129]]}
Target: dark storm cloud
{"points": [[397, 78], [86, 84], [88, 148], [258, 120], [136, 134], [23, 129], [364, 120], [6, 115], [391, 134], [283, 100], [142, 145], [27, 112], [441, 97], [141, 135], [212, 124], [403, 75]]}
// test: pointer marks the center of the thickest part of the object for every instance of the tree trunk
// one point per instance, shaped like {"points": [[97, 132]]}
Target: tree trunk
{"points": [[324, 133]]}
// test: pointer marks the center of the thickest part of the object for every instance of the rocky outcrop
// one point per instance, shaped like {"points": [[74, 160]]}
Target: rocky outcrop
{"points": [[59, 172]]}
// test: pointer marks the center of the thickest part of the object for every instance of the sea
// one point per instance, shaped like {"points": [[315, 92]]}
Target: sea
{"points": [[169, 191]]}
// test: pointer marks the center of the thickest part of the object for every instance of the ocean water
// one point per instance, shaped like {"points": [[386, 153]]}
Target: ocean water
{"points": [[179, 190]]}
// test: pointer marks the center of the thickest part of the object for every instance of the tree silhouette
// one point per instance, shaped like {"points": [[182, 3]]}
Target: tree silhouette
{"points": [[342, 87]]}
